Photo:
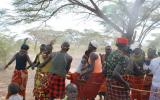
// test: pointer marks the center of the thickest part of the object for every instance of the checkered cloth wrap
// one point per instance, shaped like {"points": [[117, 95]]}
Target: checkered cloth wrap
{"points": [[116, 93], [56, 86], [141, 83]]}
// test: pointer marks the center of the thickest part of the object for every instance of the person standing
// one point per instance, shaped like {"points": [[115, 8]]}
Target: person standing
{"points": [[92, 74], [61, 62], [104, 57], [41, 77], [20, 75], [154, 67], [115, 68]]}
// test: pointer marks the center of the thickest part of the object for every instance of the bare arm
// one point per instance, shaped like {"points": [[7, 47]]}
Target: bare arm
{"points": [[45, 62], [93, 56], [29, 60], [69, 64], [35, 60], [11, 61]]}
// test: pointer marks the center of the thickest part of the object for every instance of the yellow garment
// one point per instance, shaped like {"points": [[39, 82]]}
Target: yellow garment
{"points": [[40, 58], [46, 67]]}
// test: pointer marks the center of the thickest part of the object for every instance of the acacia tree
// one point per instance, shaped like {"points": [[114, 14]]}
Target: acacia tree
{"points": [[136, 14], [45, 35]]}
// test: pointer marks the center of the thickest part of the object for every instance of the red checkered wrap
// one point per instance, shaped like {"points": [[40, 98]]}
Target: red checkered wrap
{"points": [[56, 86], [20, 78], [141, 83], [116, 93]]}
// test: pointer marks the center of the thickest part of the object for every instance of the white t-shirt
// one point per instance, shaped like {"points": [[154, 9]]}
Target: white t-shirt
{"points": [[155, 69], [16, 97]]}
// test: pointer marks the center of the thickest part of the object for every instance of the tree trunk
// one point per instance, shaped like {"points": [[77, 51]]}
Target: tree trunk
{"points": [[133, 20]]}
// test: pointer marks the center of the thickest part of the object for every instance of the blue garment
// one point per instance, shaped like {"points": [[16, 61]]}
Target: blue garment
{"points": [[21, 61]]}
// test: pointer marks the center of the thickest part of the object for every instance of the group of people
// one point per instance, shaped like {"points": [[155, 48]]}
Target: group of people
{"points": [[96, 73], [51, 71]]}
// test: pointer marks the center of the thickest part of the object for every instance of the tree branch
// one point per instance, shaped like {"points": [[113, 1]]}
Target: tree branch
{"points": [[54, 12], [141, 34], [94, 5], [147, 30], [98, 12], [37, 3], [82, 5]]}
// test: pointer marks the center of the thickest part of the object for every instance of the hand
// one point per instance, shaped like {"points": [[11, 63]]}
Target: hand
{"points": [[5, 67], [127, 87]]}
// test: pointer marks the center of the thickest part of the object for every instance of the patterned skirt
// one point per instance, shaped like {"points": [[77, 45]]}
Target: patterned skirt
{"points": [[40, 85], [116, 91], [20, 78], [56, 86]]}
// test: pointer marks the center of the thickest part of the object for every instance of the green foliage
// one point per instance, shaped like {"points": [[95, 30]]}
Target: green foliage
{"points": [[7, 47], [45, 35]]}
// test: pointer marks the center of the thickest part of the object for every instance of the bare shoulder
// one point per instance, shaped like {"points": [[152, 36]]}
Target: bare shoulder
{"points": [[69, 57]]}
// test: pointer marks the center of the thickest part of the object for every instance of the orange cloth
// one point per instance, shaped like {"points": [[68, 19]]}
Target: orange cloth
{"points": [[20, 78], [97, 66], [103, 87]]}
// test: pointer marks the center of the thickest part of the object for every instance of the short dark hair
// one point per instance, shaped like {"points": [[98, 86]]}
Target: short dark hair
{"points": [[25, 47], [13, 88], [71, 87], [65, 46]]}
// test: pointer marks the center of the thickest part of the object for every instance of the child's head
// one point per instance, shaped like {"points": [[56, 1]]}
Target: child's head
{"points": [[13, 89], [71, 91]]}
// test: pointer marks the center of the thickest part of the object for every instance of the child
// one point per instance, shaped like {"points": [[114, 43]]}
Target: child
{"points": [[13, 91], [71, 92]]}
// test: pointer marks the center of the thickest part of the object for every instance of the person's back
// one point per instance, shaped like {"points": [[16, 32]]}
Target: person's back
{"points": [[21, 60], [59, 64]]}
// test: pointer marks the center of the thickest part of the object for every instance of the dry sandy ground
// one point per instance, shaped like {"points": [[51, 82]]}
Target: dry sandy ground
{"points": [[5, 78]]}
